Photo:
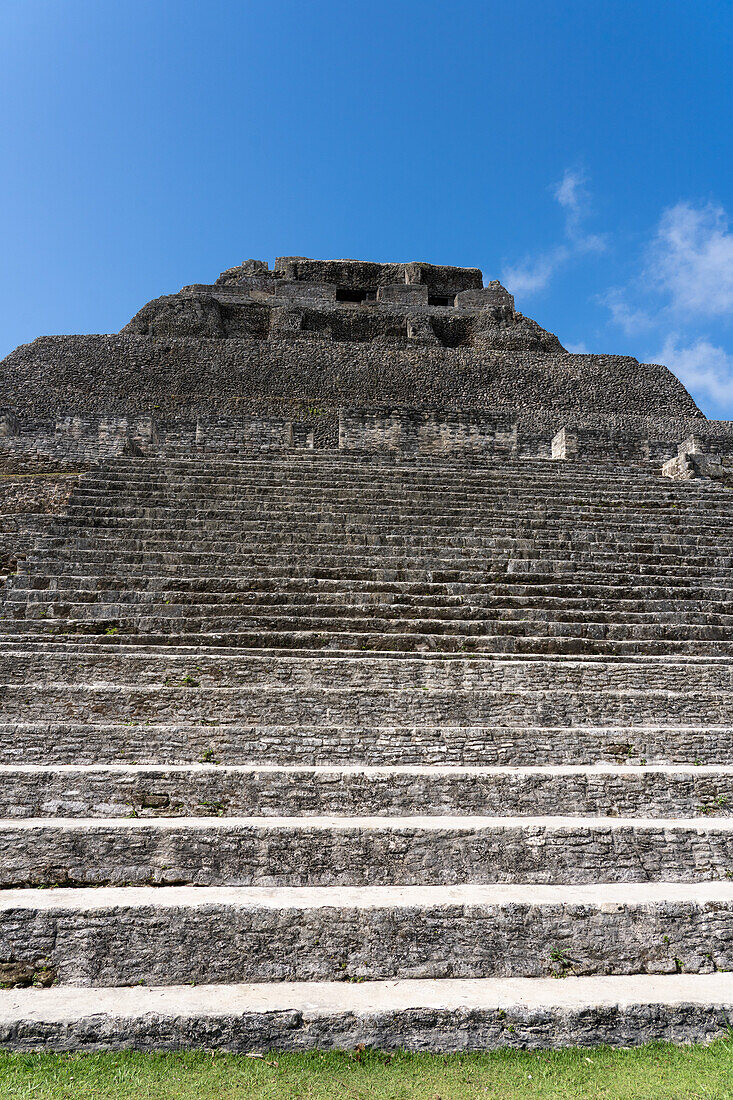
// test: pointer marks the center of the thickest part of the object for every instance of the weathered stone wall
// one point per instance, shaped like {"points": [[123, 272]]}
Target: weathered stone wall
{"points": [[431, 431], [137, 375], [26, 504], [75, 443]]}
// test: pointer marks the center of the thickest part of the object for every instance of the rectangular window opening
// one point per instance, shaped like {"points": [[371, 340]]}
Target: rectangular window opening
{"points": [[439, 300], [355, 294]]}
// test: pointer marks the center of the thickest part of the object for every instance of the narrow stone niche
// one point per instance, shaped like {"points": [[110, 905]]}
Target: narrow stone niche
{"points": [[355, 294]]}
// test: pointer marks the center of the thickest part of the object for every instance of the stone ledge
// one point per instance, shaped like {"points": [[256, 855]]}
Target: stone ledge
{"points": [[446, 1015]]}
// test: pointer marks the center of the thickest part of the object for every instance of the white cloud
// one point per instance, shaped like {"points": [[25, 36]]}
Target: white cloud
{"points": [[577, 349], [630, 319], [572, 195], [686, 278], [702, 367], [570, 191], [691, 260], [535, 272]]}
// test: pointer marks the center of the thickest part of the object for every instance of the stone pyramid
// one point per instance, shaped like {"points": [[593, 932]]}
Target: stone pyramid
{"points": [[366, 677]]}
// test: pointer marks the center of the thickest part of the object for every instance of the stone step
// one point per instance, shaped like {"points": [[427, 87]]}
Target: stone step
{"points": [[375, 565], [305, 463], [410, 1014], [474, 529], [406, 616], [34, 639], [476, 1014], [413, 563], [369, 512], [173, 935], [357, 508], [191, 701], [330, 603], [326, 502], [103, 634], [429, 497], [444, 483], [77, 741], [135, 502], [406, 553], [370, 470], [565, 643], [358, 608], [332, 541], [354, 505], [101, 660], [136, 497], [357, 611], [89, 659], [656, 494], [272, 591], [377, 632], [517, 573], [361, 851], [653, 502], [443, 478], [256, 790]]}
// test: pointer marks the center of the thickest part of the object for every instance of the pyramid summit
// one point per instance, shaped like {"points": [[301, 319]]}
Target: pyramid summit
{"points": [[366, 666], [337, 333]]}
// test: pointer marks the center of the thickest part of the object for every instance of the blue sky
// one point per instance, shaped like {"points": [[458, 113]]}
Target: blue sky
{"points": [[580, 151]]}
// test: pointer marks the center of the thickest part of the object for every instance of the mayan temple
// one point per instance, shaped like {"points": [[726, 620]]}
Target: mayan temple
{"points": [[366, 677]]}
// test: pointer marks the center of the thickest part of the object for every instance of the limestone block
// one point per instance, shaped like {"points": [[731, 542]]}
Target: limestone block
{"points": [[412, 431], [233, 275], [420, 331], [691, 462], [351, 273], [286, 321], [443, 280], [493, 296], [302, 436], [311, 292], [237, 433], [178, 315], [407, 295], [144, 430], [76, 427], [679, 468], [565, 444]]}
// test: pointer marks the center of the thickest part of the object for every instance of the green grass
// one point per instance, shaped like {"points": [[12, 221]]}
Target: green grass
{"points": [[656, 1072]]}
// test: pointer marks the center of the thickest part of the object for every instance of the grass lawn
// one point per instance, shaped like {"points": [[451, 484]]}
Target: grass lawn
{"points": [[658, 1071]]}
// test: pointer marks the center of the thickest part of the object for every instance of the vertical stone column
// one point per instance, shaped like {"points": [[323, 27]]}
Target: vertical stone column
{"points": [[565, 444]]}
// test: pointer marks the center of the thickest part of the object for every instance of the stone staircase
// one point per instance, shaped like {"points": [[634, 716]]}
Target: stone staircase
{"points": [[317, 750]]}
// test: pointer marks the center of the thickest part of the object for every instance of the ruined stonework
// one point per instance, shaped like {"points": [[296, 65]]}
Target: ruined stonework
{"points": [[337, 353], [365, 668]]}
